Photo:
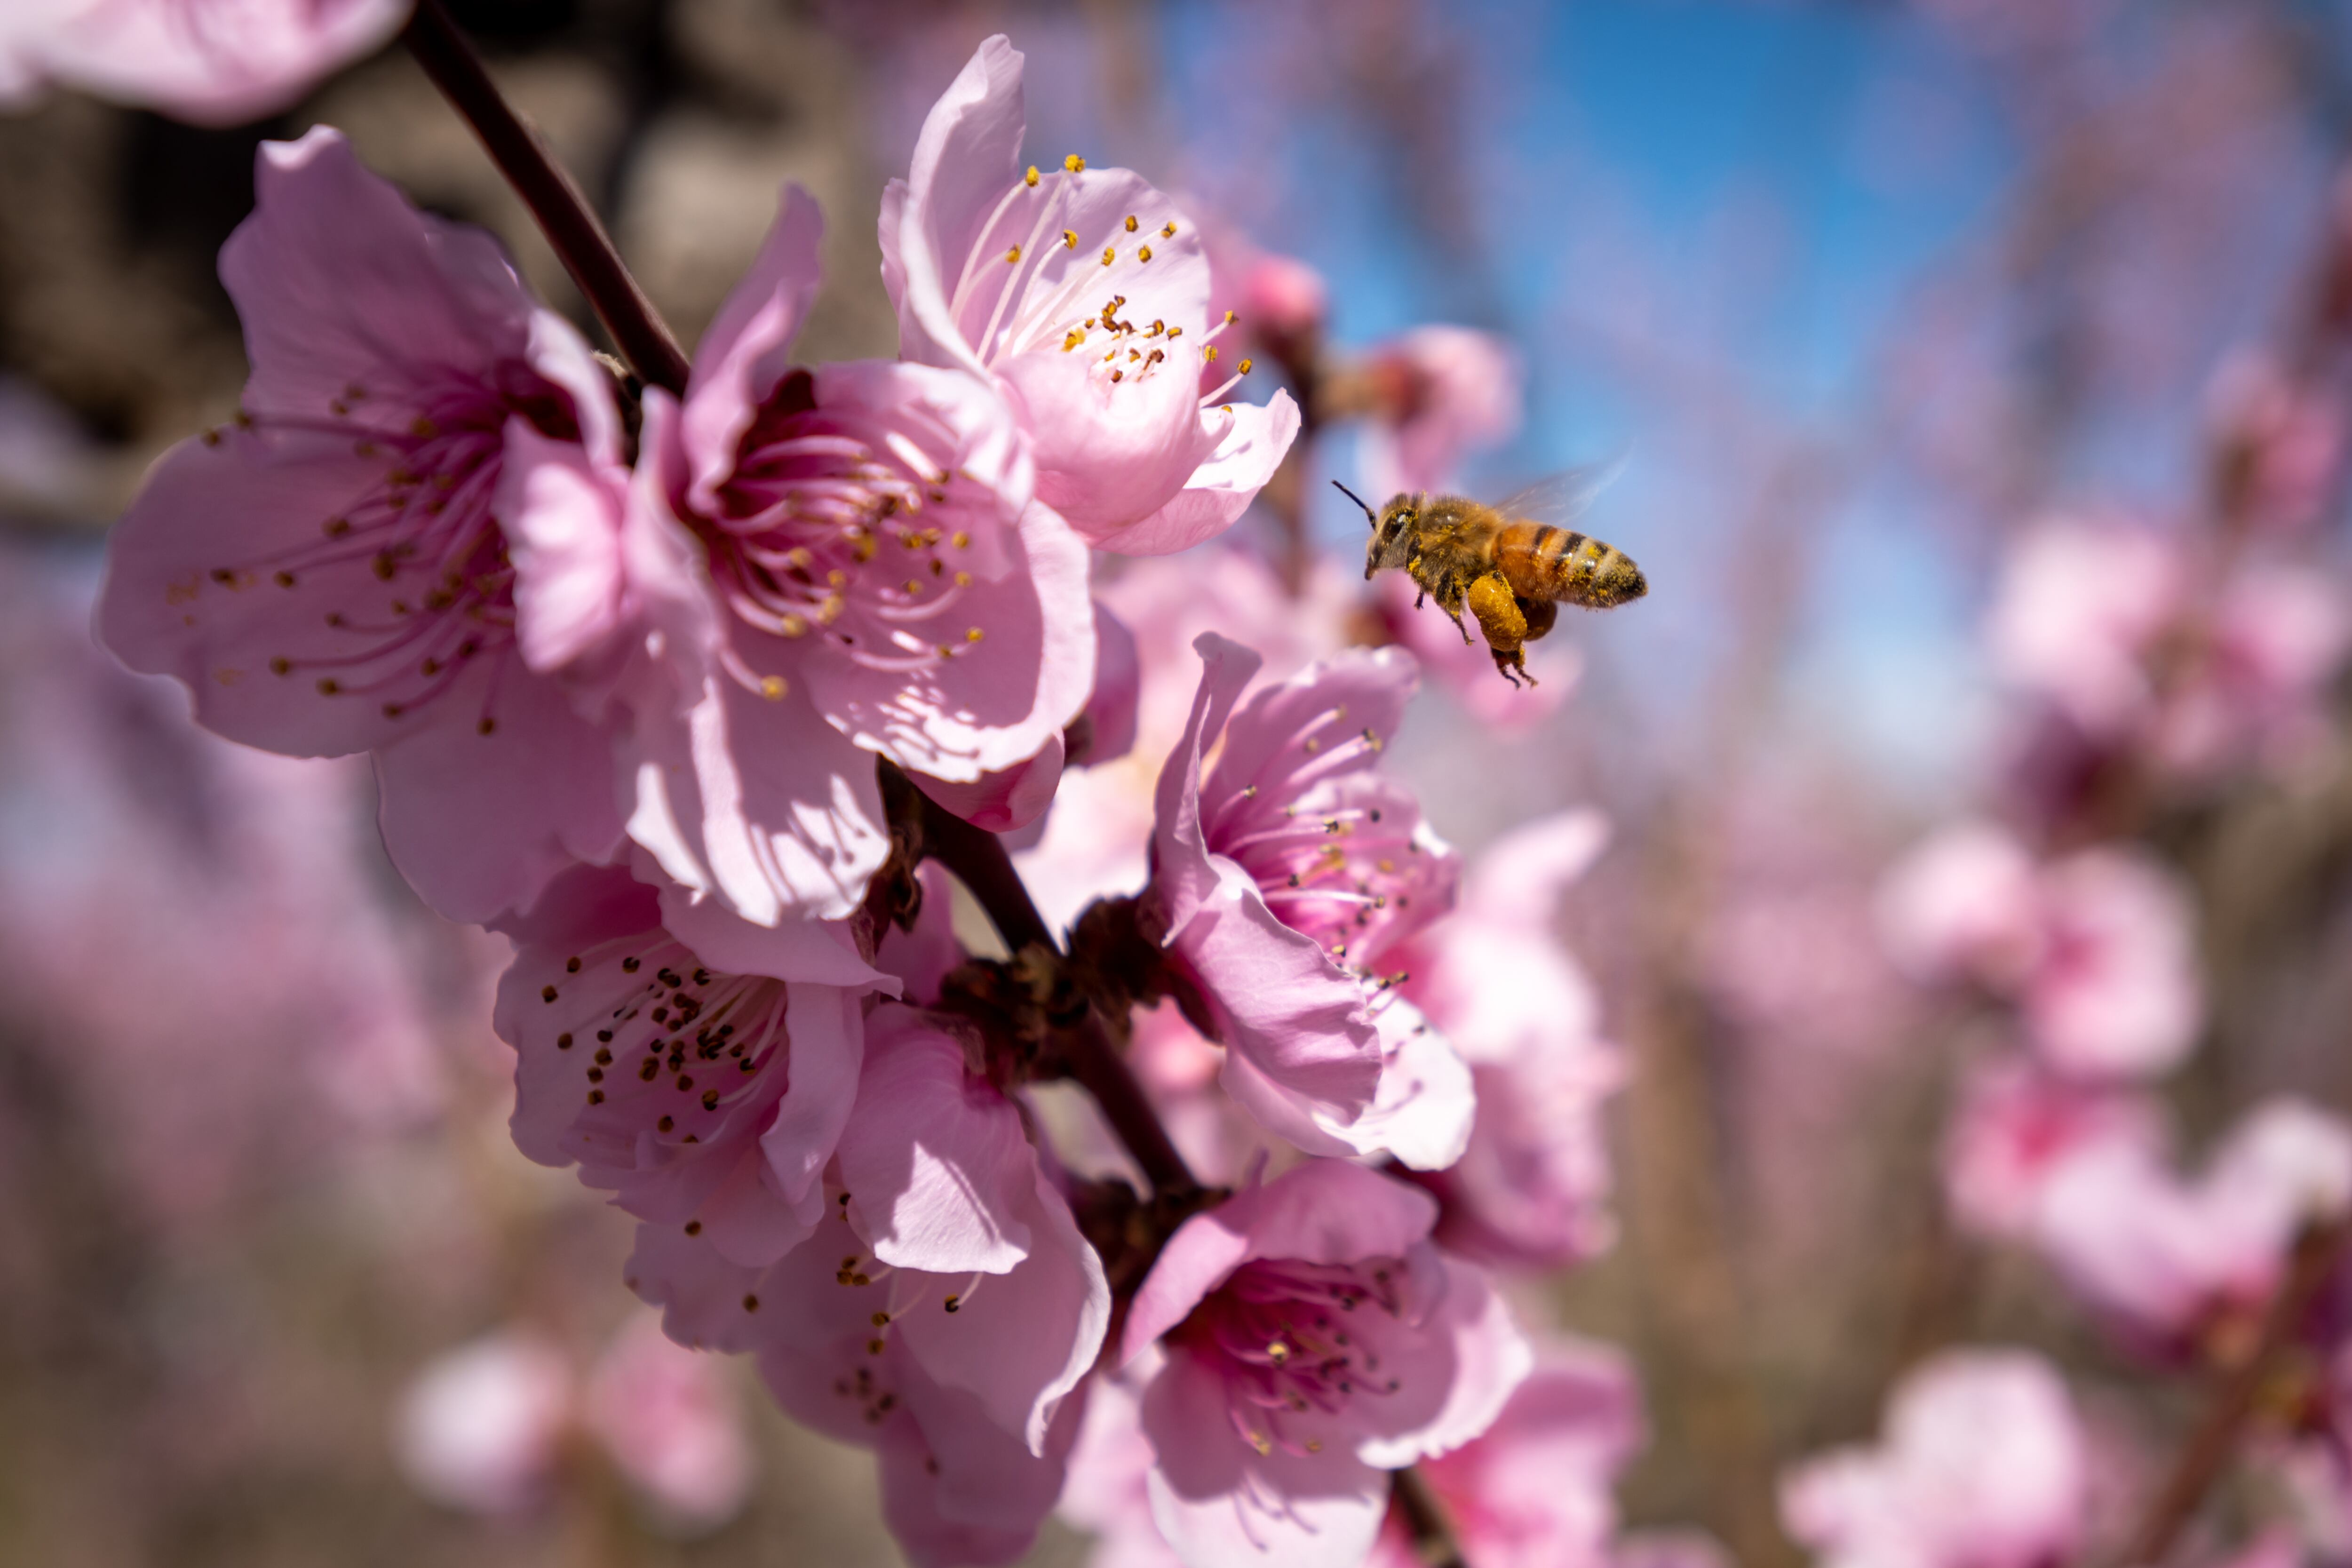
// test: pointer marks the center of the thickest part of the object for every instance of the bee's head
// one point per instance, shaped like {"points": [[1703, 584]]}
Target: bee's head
{"points": [[1392, 540]]}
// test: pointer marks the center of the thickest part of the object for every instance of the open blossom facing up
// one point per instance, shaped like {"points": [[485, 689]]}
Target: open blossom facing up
{"points": [[331, 573], [840, 562], [695, 1096], [1983, 1465], [217, 62], [1532, 1185], [1283, 876], [944, 1317], [2096, 948], [1085, 294], [1299, 1340]]}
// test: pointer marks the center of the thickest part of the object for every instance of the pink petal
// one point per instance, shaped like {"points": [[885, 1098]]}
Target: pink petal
{"points": [[1457, 1376], [1248, 443], [742, 352], [561, 516], [213, 62]]}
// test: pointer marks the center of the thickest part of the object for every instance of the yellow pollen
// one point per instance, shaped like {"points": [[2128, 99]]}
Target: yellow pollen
{"points": [[1030, 179], [830, 611], [972, 636], [1070, 239], [1167, 233], [1277, 1352], [1175, 331], [1144, 254], [960, 539], [1131, 223], [1231, 317], [1245, 367], [963, 579], [913, 586], [1119, 375], [1075, 338], [836, 577], [1075, 164], [772, 687], [1154, 329], [880, 1319], [1210, 352], [1313, 1444], [1013, 255], [796, 625], [1108, 254], [1260, 1442], [798, 557]]}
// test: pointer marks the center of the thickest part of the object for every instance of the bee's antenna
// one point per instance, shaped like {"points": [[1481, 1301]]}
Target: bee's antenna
{"points": [[1370, 515]]}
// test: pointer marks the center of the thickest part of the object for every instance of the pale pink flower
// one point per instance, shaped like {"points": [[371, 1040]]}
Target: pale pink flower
{"points": [[1282, 878], [2016, 1125], [479, 1427], [217, 62], [1275, 299], [951, 1252], [2115, 994], [701, 1095], [1306, 1337], [1983, 1465], [1534, 1489], [1533, 1183], [2079, 605], [2278, 634], [2288, 435], [2165, 1259], [671, 1422], [839, 562], [1109, 1492], [1084, 293], [1445, 393], [1964, 904], [332, 574]]}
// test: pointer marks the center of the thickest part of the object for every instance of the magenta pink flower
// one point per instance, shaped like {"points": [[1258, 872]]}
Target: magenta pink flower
{"points": [[1284, 878], [1085, 293], [217, 62], [696, 1097], [1309, 1337], [1983, 1465], [837, 563], [1533, 1183], [1445, 392], [481, 1428], [1534, 1489], [2016, 1126], [671, 1422], [2165, 1261], [331, 573]]}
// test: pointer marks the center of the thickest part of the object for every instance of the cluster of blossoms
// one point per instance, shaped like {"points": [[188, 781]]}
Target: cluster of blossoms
{"points": [[679, 689]]}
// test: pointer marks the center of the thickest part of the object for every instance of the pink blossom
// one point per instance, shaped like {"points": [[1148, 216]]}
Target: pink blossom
{"points": [[1532, 1185], [1085, 294], [837, 563], [1963, 904], [217, 62], [2016, 1126], [2278, 634], [950, 1252], [1283, 878], [1109, 1492], [332, 574], [695, 1096], [2166, 1259], [2079, 606], [2115, 993], [670, 1420], [1534, 1489], [1983, 1465], [1276, 299], [479, 1427], [1308, 1337], [1445, 393], [2286, 437]]}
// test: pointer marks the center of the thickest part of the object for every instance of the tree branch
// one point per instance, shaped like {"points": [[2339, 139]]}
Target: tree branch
{"points": [[2316, 1257], [555, 201]]}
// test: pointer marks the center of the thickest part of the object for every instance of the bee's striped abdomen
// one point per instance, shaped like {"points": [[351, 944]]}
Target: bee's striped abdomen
{"points": [[1543, 562]]}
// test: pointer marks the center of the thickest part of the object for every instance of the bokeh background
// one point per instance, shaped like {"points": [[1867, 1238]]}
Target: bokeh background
{"points": [[1861, 292]]}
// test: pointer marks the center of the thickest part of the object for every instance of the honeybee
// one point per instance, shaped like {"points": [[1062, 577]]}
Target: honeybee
{"points": [[1511, 564]]}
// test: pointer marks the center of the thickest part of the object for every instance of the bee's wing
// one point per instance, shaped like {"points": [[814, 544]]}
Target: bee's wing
{"points": [[1563, 496]]}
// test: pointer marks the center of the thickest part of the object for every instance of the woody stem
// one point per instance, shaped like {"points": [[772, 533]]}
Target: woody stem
{"points": [[555, 200], [2316, 1257]]}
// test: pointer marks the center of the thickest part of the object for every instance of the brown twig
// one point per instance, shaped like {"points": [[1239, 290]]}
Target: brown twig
{"points": [[2316, 1257], [1425, 1517], [554, 199]]}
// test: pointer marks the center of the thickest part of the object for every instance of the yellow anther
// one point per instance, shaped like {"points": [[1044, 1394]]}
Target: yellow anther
{"points": [[1175, 331], [1245, 367], [960, 539], [1277, 1352], [1075, 164], [1231, 317], [1030, 179], [1012, 255], [1131, 223], [772, 687], [1143, 254], [963, 579], [1109, 256], [1167, 233], [1119, 375], [1070, 239], [1073, 339], [1210, 352], [972, 636]]}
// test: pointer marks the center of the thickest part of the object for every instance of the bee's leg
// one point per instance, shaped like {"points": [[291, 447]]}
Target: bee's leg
{"points": [[1449, 599], [1513, 667], [1505, 623]]}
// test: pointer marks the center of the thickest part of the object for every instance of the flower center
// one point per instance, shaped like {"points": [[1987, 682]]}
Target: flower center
{"points": [[1297, 1342], [418, 532]]}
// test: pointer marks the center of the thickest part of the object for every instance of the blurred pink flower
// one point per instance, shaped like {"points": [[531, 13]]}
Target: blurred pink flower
{"points": [[1276, 299], [330, 574], [1281, 881], [670, 1420], [479, 1427], [2016, 1125], [1983, 1465], [1308, 1337], [2098, 949], [951, 1247], [1532, 1185], [216, 62], [2287, 435], [1025, 281], [2079, 605], [2278, 636], [727, 1127], [2167, 1260], [1445, 393], [1534, 1489], [841, 562]]}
